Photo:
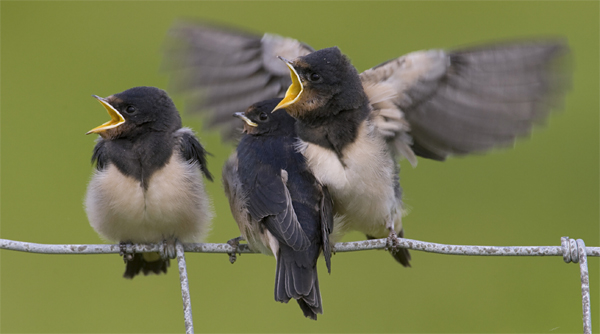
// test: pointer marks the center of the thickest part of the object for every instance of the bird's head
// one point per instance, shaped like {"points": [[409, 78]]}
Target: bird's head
{"points": [[137, 111], [259, 120], [324, 83]]}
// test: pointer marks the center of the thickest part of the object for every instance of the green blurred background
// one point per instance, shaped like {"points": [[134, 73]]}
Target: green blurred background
{"points": [[56, 54]]}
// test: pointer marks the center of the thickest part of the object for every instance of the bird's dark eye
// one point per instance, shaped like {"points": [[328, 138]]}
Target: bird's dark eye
{"points": [[130, 109], [314, 77], [263, 116]]}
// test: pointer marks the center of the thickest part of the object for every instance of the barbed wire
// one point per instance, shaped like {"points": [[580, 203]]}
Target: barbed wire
{"points": [[570, 249]]}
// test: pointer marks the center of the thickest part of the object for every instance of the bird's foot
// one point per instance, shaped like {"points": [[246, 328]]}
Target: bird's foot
{"points": [[235, 243], [167, 249], [392, 242], [126, 251]]}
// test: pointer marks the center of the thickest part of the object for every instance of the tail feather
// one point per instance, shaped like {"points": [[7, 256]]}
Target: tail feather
{"points": [[401, 254], [292, 280], [140, 262]]}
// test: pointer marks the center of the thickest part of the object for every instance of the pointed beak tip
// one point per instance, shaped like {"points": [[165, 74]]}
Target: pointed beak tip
{"points": [[243, 117], [287, 61], [116, 117]]}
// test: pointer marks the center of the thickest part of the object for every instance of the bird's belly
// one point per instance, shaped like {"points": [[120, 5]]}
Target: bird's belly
{"points": [[260, 241], [174, 205], [362, 188]]}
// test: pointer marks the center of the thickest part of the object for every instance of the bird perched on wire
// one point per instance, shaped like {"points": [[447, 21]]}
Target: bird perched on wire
{"points": [[280, 207], [354, 127], [147, 187]]}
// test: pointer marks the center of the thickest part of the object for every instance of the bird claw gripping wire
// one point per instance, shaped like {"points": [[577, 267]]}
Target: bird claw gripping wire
{"points": [[235, 243], [167, 249], [392, 242], [126, 251]]}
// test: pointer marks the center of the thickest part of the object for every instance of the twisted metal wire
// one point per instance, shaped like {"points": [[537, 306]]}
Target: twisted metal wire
{"points": [[339, 247], [571, 250]]}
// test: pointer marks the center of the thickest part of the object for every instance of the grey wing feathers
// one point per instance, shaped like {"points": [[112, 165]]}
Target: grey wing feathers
{"points": [[271, 202], [472, 100], [223, 71]]}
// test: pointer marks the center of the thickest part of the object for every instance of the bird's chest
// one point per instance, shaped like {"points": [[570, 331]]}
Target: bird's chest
{"points": [[142, 158], [361, 182], [121, 208]]}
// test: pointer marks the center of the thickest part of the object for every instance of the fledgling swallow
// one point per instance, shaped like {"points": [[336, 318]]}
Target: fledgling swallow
{"points": [[147, 187], [354, 127], [343, 146], [280, 207]]}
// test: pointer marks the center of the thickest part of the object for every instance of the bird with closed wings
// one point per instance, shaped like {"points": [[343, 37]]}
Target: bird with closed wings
{"points": [[280, 207], [147, 187]]}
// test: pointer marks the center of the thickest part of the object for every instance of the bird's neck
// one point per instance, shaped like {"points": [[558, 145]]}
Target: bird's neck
{"points": [[334, 131], [141, 157]]}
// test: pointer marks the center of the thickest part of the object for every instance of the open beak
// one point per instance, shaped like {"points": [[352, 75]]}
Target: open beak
{"points": [[295, 89], [243, 117], [116, 118]]}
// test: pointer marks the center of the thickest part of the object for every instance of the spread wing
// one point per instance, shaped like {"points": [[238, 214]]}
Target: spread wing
{"points": [[455, 103], [269, 200], [223, 71]]}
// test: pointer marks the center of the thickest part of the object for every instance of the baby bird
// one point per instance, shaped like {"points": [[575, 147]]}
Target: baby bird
{"points": [[354, 127], [147, 187], [280, 207]]}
